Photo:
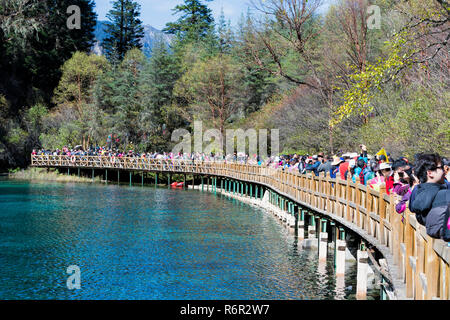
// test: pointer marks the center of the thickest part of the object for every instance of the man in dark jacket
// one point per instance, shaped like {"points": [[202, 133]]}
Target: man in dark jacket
{"points": [[326, 166], [430, 171], [314, 165], [435, 219]]}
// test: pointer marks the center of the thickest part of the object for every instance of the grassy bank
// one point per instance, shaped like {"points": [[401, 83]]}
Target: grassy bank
{"points": [[41, 174]]}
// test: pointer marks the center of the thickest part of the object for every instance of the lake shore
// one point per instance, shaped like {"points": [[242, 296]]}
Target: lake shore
{"points": [[41, 174]]}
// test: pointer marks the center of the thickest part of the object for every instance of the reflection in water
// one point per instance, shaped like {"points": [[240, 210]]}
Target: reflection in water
{"points": [[339, 291], [147, 243]]}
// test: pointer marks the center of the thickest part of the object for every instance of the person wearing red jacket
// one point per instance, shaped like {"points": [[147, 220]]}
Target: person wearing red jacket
{"points": [[386, 171]]}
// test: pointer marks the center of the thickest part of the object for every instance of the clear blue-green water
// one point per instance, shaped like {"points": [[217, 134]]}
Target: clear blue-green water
{"points": [[149, 243]]}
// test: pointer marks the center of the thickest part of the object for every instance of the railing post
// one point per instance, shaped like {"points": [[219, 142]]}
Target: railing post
{"points": [[431, 270], [382, 215], [409, 240]]}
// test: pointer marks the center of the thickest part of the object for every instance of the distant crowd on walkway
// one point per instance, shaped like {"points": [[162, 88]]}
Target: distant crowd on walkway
{"points": [[422, 185]]}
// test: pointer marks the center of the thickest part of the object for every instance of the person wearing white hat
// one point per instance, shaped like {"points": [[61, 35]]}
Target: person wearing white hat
{"points": [[385, 166], [386, 170], [337, 161]]}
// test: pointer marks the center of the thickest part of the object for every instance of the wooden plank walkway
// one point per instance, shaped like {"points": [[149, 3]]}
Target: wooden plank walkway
{"points": [[419, 263]]}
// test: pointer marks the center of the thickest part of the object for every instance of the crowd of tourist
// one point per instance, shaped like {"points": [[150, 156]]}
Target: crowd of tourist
{"points": [[421, 184]]}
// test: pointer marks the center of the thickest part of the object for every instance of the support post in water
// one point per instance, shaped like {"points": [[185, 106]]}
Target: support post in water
{"points": [[361, 278], [301, 224], [340, 248], [106, 176], [323, 240], [292, 217], [130, 178], [312, 227], [92, 174]]}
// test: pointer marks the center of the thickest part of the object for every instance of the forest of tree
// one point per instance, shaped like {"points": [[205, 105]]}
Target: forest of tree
{"points": [[329, 81]]}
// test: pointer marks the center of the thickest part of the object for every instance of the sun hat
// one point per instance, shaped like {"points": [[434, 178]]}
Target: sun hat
{"points": [[352, 163], [384, 165], [336, 161]]}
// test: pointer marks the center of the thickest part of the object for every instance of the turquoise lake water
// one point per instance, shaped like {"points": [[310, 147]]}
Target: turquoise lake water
{"points": [[151, 243]]}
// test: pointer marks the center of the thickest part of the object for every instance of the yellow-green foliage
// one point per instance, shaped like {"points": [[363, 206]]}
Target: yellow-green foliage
{"points": [[363, 85], [78, 75], [419, 124]]}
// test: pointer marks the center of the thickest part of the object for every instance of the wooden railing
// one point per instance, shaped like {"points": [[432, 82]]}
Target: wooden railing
{"points": [[421, 262]]}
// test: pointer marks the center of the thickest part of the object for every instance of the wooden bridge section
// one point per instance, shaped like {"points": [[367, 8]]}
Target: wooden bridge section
{"points": [[418, 263]]}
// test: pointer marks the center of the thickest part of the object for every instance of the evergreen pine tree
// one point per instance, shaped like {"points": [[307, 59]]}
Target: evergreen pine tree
{"points": [[225, 34], [158, 80], [195, 23], [124, 28], [31, 65]]}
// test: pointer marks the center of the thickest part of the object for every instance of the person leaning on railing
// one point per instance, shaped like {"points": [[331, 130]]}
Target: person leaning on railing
{"points": [[430, 199]]}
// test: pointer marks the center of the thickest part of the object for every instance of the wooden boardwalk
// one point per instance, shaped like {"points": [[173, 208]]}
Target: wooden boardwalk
{"points": [[418, 264]]}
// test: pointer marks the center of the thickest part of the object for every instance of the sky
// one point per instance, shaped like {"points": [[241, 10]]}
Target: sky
{"points": [[158, 12]]}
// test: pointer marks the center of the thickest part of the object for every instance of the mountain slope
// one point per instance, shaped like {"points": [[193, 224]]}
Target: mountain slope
{"points": [[151, 35]]}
